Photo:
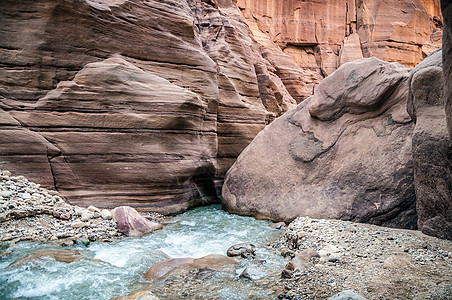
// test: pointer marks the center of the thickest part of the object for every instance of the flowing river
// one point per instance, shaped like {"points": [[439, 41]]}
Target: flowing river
{"points": [[115, 269]]}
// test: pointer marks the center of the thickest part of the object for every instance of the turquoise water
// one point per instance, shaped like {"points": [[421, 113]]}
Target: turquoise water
{"points": [[115, 269]]}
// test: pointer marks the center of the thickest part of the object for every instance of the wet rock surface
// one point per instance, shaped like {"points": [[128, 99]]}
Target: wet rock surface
{"points": [[374, 262], [66, 256], [131, 223]]}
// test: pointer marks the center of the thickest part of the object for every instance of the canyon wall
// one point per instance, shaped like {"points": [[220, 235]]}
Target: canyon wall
{"points": [[322, 35], [149, 103], [131, 102]]}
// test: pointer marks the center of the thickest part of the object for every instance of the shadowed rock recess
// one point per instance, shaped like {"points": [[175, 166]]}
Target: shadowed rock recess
{"points": [[143, 103], [345, 153]]}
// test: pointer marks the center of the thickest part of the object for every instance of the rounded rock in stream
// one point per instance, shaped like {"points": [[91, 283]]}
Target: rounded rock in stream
{"points": [[245, 250], [66, 256], [184, 265], [131, 223]]}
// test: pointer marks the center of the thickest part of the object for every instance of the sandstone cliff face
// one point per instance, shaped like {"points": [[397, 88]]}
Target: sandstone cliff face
{"points": [[322, 35], [344, 153], [131, 102]]}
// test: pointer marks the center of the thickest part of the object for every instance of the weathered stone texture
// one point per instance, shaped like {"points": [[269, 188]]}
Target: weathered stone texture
{"points": [[432, 148], [446, 7], [335, 32], [131, 102], [344, 153]]}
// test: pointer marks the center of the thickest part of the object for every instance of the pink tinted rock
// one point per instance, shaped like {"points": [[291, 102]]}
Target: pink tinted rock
{"points": [[131, 223]]}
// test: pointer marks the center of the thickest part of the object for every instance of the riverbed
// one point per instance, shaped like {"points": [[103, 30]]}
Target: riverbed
{"points": [[117, 268]]}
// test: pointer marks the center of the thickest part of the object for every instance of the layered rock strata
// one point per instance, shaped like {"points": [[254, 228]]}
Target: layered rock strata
{"points": [[322, 35], [128, 102], [345, 153]]}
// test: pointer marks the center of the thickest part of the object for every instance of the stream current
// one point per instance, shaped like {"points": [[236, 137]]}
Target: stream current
{"points": [[115, 269]]}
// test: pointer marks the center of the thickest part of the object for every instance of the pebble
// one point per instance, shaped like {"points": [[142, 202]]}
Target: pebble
{"points": [[6, 194], [78, 224], [86, 216], [93, 209], [106, 214], [347, 295]]}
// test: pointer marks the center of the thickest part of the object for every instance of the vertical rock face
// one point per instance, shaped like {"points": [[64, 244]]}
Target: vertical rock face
{"points": [[446, 7], [432, 148], [131, 102], [344, 153], [322, 35]]}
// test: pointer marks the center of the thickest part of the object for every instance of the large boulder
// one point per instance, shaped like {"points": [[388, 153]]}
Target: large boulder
{"points": [[432, 148], [344, 153], [131, 223]]}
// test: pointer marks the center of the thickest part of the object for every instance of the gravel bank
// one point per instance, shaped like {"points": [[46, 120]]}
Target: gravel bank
{"points": [[30, 212], [330, 256]]}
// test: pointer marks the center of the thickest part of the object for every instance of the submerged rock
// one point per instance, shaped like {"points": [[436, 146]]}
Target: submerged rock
{"points": [[345, 153], [131, 223], [66, 256], [176, 266], [245, 250]]}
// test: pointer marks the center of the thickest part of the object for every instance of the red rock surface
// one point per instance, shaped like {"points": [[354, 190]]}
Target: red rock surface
{"points": [[148, 104], [130, 102], [322, 35]]}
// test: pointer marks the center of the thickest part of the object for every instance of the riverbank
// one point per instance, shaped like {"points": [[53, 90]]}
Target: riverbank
{"points": [[329, 256], [29, 212], [321, 257]]}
